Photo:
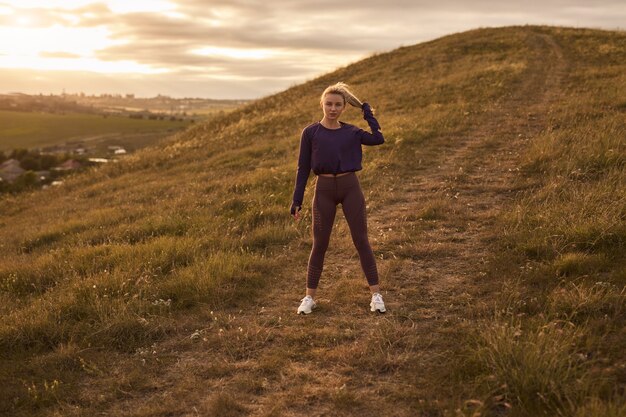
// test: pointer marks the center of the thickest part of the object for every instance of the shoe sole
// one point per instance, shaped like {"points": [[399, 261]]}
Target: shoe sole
{"points": [[305, 313]]}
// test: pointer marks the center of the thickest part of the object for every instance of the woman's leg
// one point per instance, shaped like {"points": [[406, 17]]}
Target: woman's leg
{"points": [[353, 205], [324, 210]]}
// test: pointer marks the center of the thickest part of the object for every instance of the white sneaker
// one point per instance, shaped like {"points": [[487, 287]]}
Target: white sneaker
{"points": [[377, 303], [307, 305]]}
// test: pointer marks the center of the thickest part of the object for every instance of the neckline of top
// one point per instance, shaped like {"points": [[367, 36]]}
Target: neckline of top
{"points": [[342, 124]]}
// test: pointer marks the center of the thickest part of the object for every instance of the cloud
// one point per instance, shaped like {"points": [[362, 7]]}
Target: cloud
{"points": [[350, 28], [304, 38]]}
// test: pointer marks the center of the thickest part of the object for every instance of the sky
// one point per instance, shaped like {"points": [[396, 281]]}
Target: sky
{"points": [[238, 49]]}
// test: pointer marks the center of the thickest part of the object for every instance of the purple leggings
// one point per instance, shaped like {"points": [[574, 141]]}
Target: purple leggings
{"points": [[330, 191]]}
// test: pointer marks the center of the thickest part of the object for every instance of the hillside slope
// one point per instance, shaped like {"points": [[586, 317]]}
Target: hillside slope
{"points": [[167, 284]]}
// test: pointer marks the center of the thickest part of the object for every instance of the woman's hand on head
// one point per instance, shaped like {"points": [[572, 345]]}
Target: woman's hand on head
{"points": [[366, 104]]}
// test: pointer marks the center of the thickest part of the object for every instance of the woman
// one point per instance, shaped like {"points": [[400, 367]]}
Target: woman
{"points": [[332, 149]]}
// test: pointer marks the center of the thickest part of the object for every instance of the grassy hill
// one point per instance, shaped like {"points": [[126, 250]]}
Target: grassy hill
{"points": [[167, 284]]}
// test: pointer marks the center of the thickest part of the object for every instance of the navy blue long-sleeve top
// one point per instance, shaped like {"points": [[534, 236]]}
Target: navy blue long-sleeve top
{"points": [[333, 151]]}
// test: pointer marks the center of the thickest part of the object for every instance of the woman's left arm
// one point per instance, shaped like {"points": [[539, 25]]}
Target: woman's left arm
{"points": [[376, 137]]}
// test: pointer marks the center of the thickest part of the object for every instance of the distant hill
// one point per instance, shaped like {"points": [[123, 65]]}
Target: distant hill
{"points": [[114, 103], [166, 284]]}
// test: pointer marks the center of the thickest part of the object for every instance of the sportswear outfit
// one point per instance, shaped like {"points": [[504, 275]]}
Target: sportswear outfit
{"points": [[336, 151]]}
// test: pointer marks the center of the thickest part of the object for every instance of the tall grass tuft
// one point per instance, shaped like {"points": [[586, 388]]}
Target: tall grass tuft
{"points": [[594, 407], [538, 369], [218, 280]]}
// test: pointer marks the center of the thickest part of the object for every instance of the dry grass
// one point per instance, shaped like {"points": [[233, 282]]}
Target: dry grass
{"points": [[166, 284]]}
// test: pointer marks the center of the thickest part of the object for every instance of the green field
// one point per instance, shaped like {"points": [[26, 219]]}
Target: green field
{"points": [[31, 130]]}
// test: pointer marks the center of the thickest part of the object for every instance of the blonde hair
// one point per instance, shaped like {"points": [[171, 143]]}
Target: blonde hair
{"points": [[343, 90]]}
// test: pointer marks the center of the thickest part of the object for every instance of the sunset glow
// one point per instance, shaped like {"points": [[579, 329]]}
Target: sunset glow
{"points": [[78, 64], [33, 41], [63, 48]]}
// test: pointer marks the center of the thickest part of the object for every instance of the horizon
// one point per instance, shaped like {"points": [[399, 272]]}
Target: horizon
{"points": [[127, 95], [185, 49]]}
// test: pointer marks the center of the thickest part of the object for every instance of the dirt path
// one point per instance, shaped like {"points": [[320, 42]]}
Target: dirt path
{"points": [[476, 177]]}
